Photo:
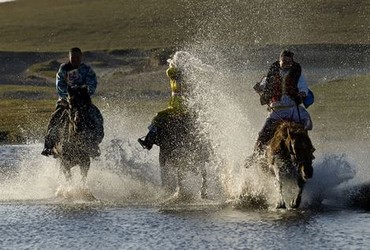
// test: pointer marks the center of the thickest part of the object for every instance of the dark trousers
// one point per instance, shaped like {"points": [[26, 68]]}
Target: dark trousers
{"points": [[56, 120], [266, 134], [52, 135]]}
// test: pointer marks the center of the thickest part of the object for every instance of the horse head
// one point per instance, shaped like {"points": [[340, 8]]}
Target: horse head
{"points": [[300, 149], [290, 153], [79, 101], [78, 96]]}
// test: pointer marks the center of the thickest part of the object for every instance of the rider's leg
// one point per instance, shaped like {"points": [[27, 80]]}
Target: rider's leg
{"points": [[303, 117], [51, 136], [152, 137], [266, 134]]}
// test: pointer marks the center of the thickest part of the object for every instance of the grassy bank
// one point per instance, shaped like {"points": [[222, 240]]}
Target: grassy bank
{"points": [[341, 109], [24, 111], [43, 25]]}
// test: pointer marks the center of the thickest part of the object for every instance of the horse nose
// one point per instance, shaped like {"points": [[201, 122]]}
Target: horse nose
{"points": [[307, 171]]}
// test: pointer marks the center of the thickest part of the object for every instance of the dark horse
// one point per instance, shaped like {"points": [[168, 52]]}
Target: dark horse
{"points": [[289, 157], [181, 150], [80, 132]]}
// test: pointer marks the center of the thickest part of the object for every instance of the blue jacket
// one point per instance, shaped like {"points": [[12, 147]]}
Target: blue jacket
{"points": [[67, 75]]}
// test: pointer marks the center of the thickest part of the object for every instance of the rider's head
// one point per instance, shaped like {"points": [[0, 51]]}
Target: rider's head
{"points": [[286, 59], [75, 57]]}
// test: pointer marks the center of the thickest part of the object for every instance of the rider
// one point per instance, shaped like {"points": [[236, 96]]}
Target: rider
{"points": [[176, 104], [283, 90], [72, 73]]}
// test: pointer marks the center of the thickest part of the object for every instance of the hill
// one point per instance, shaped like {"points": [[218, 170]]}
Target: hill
{"points": [[43, 25]]}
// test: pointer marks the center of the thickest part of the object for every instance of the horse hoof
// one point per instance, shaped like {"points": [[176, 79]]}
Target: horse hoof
{"points": [[281, 205], [295, 203], [307, 172]]}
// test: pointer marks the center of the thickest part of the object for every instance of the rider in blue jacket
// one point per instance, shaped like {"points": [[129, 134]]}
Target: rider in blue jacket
{"points": [[72, 73]]}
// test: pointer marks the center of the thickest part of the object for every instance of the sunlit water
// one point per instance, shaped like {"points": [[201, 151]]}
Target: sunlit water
{"points": [[130, 210]]}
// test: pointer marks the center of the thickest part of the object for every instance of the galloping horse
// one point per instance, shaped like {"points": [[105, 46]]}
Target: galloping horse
{"points": [[181, 150], [289, 157], [80, 132]]}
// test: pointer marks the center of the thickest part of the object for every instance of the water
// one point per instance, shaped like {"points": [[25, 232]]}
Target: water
{"points": [[108, 227], [130, 211]]}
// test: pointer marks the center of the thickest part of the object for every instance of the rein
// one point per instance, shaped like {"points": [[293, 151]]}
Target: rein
{"points": [[291, 117], [293, 155]]}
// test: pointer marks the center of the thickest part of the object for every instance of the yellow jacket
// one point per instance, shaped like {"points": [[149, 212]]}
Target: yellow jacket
{"points": [[177, 88]]}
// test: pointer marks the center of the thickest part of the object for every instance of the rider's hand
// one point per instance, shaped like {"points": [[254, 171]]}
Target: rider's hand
{"points": [[301, 96]]}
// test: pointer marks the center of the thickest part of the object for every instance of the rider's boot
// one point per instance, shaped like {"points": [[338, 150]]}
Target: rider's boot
{"points": [[150, 139]]}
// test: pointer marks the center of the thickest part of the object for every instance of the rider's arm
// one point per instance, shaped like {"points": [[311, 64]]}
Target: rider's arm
{"points": [[302, 84], [61, 83], [91, 81]]}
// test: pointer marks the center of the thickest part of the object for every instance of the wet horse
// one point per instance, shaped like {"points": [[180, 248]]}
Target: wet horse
{"points": [[289, 157], [80, 132], [181, 150]]}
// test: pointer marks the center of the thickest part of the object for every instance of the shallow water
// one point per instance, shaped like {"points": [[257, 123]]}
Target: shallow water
{"points": [[125, 216], [97, 226], [131, 210]]}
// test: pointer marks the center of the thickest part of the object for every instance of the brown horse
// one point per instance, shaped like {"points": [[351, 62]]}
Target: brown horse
{"points": [[289, 157], [181, 150], [80, 132]]}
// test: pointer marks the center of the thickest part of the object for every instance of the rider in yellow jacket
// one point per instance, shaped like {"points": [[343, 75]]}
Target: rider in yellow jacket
{"points": [[175, 107]]}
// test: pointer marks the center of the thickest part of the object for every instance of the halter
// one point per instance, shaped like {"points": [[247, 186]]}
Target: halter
{"points": [[293, 156]]}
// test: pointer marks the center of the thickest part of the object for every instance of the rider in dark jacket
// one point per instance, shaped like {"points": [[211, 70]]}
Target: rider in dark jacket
{"points": [[72, 73], [283, 90]]}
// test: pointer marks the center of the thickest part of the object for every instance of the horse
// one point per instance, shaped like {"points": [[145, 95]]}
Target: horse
{"points": [[181, 149], [80, 131], [289, 157]]}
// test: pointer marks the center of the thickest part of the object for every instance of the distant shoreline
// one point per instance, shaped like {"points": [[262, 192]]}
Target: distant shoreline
{"points": [[321, 62]]}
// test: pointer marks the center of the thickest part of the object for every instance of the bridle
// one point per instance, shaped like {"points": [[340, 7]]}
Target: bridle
{"points": [[294, 156]]}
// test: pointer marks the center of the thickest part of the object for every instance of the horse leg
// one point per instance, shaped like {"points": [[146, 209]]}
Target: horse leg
{"points": [[66, 169], [204, 187], [278, 185], [84, 168], [297, 201], [168, 177], [180, 182]]}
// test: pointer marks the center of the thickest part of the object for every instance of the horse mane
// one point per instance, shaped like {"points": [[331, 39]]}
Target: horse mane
{"points": [[283, 135], [78, 96]]}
